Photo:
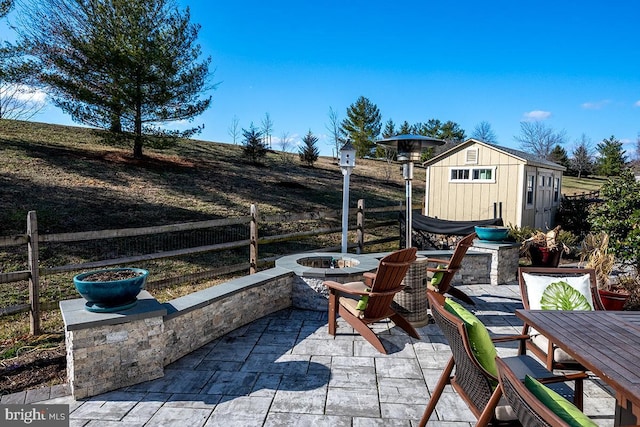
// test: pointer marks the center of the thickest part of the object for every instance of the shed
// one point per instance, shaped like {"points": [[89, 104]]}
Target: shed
{"points": [[477, 180]]}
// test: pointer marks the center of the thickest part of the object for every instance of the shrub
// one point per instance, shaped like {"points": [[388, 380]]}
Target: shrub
{"points": [[618, 216]]}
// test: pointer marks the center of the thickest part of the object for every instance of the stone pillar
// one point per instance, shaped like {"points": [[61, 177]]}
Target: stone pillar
{"points": [[505, 258], [107, 351]]}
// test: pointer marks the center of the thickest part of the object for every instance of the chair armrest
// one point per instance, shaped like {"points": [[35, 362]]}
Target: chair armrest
{"points": [[564, 378], [387, 292], [508, 338], [359, 288], [442, 270], [369, 277], [351, 288], [438, 261]]}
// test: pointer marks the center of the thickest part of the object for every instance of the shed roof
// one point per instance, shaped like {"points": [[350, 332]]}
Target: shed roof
{"points": [[527, 158]]}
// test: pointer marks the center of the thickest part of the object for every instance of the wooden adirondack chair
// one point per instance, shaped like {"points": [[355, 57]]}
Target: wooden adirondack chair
{"points": [[376, 294], [444, 270]]}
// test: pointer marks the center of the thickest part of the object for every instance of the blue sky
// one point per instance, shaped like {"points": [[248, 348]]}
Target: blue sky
{"points": [[574, 65]]}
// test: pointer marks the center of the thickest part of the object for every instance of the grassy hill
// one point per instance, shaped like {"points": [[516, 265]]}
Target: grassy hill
{"points": [[76, 181]]}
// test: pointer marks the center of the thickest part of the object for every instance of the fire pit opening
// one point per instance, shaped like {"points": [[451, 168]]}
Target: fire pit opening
{"points": [[327, 262]]}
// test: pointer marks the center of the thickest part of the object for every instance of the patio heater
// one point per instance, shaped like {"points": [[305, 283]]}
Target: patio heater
{"points": [[347, 163], [409, 149]]}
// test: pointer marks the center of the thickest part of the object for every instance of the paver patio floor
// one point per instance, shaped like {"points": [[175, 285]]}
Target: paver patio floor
{"points": [[285, 369]]}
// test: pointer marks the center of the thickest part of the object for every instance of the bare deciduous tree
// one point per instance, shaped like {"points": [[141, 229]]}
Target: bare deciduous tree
{"points": [[539, 139], [483, 132], [267, 129], [285, 147], [234, 129], [19, 101], [336, 138]]}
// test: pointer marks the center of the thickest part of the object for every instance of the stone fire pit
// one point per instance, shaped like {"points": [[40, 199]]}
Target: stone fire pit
{"points": [[312, 269]]}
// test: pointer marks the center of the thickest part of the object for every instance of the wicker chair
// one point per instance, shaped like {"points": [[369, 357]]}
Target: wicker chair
{"points": [[539, 345], [473, 383], [449, 267], [379, 288], [529, 410]]}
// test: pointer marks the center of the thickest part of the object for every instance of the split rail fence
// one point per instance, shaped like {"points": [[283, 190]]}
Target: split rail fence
{"points": [[247, 229]]}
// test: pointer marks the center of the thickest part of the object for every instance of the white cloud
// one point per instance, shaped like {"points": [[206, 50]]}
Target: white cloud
{"points": [[26, 93], [596, 105], [637, 104], [536, 115]]}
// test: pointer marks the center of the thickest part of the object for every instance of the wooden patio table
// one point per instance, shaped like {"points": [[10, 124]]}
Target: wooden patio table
{"points": [[605, 342]]}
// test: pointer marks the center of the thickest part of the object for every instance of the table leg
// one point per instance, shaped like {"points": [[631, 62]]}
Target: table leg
{"points": [[626, 414]]}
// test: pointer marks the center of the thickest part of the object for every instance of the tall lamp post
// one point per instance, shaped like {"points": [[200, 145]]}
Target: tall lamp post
{"points": [[347, 163], [409, 149]]}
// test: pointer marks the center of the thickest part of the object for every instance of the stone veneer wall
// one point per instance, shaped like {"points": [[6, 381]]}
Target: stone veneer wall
{"points": [[505, 258], [108, 357], [196, 323], [107, 351], [475, 268]]}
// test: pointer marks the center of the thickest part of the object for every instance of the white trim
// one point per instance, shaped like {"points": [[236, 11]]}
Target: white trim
{"points": [[521, 195], [493, 170], [426, 190], [531, 205]]}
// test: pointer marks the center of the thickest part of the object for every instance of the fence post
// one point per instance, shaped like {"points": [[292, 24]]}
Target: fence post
{"points": [[253, 239], [360, 226], [34, 277]]}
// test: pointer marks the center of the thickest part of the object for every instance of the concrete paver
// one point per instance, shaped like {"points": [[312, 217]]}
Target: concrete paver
{"points": [[285, 369]]}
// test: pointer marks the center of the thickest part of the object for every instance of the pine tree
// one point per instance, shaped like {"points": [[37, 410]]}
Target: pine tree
{"points": [[308, 152], [389, 129], [254, 146], [362, 125], [559, 155], [612, 159], [123, 65], [406, 129], [582, 161]]}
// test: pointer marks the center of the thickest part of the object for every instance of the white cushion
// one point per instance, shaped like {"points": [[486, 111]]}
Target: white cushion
{"points": [[537, 284], [542, 342]]}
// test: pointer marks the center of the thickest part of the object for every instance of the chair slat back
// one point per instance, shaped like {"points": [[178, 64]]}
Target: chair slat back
{"points": [[456, 261], [391, 271], [530, 411], [476, 385]]}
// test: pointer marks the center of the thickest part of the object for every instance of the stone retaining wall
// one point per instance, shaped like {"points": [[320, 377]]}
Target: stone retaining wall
{"points": [[107, 351]]}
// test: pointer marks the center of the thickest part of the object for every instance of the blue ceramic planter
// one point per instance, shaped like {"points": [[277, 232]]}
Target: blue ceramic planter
{"points": [[113, 295], [492, 233]]}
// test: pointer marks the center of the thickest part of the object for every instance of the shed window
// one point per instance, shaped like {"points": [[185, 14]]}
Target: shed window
{"points": [[459, 174], [485, 174], [556, 190], [531, 179], [473, 174]]}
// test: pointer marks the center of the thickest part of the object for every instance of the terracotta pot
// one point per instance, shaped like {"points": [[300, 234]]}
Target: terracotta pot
{"points": [[543, 257], [613, 300]]}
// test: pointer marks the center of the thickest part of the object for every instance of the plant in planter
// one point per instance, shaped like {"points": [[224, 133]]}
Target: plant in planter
{"points": [[618, 217], [545, 249], [595, 251], [110, 290]]}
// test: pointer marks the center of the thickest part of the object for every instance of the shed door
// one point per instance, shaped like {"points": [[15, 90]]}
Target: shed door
{"points": [[544, 197]]}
